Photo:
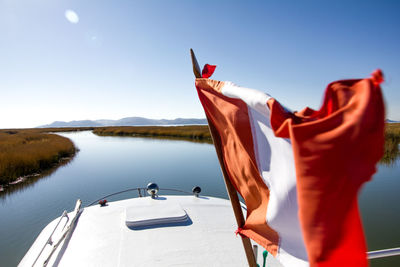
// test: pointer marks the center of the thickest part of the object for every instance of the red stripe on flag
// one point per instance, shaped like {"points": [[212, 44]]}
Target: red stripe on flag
{"points": [[335, 149]]}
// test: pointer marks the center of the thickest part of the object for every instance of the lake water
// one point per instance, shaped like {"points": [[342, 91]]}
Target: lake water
{"points": [[109, 164]]}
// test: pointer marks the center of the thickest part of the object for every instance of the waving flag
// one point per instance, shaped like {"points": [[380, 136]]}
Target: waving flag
{"points": [[299, 173]]}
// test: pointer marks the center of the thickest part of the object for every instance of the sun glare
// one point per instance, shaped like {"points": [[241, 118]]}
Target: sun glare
{"points": [[71, 16]]}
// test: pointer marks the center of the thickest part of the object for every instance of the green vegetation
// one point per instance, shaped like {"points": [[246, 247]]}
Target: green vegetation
{"points": [[192, 132], [392, 141], [26, 152]]}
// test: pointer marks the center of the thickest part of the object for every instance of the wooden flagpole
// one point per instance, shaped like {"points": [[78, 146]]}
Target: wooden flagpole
{"points": [[237, 209]]}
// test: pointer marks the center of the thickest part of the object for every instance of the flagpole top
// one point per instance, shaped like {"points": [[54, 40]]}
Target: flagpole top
{"points": [[195, 64], [207, 71]]}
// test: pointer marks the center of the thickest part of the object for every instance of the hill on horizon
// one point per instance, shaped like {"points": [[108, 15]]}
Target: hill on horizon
{"points": [[134, 121], [129, 121], [392, 121]]}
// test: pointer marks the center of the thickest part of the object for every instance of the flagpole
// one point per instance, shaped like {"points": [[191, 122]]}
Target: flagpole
{"points": [[237, 208]]}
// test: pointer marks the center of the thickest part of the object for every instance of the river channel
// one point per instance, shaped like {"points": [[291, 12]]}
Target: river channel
{"points": [[109, 164]]}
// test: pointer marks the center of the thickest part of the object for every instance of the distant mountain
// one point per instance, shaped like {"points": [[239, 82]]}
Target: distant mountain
{"points": [[83, 123], [392, 121], [130, 121]]}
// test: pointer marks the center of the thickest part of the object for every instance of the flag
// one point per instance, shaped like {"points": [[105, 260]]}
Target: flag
{"points": [[299, 173]]}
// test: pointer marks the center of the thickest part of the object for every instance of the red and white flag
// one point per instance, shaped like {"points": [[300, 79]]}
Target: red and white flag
{"points": [[299, 173]]}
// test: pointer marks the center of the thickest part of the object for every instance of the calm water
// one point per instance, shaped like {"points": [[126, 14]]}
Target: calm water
{"points": [[108, 164]]}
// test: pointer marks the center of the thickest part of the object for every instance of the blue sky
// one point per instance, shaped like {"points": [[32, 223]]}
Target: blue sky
{"points": [[131, 58]]}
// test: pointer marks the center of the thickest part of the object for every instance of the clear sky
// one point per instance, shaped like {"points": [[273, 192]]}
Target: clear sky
{"points": [[109, 59]]}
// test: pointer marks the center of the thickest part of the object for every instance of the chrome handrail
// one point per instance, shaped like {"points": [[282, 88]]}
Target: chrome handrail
{"points": [[139, 189], [383, 253], [117, 193]]}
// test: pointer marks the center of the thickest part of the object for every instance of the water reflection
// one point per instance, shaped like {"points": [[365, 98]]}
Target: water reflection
{"points": [[380, 212], [29, 181], [392, 152], [160, 137]]}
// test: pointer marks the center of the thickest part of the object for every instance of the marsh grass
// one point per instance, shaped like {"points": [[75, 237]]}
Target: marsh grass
{"points": [[191, 132], [392, 142], [30, 151]]}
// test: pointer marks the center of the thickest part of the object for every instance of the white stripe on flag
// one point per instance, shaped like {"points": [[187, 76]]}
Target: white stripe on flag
{"points": [[274, 157]]}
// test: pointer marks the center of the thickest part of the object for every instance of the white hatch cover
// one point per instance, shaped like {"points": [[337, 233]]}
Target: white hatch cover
{"points": [[156, 213]]}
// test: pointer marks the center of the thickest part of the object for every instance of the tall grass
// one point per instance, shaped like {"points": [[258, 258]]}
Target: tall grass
{"points": [[195, 132], [392, 142], [25, 152]]}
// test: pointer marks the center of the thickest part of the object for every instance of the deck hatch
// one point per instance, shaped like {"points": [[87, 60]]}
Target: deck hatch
{"points": [[155, 213]]}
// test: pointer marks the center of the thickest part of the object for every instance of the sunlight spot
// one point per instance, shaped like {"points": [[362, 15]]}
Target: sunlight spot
{"points": [[71, 16]]}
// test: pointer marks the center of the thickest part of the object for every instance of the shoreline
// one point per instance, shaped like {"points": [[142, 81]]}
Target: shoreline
{"points": [[28, 153], [193, 133], [186, 132], [25, 178]]}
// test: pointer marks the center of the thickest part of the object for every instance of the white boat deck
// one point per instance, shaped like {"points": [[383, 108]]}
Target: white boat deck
{"points": [[102, 236]]}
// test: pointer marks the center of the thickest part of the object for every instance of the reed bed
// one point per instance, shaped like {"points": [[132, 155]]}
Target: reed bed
{"points": [[62, 129], [195, 132], [26, 152], [392, 142]]}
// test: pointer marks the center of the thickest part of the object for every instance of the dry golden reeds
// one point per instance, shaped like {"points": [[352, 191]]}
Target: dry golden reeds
{"points": [[25, 152], [196, 132], [392, 142]]}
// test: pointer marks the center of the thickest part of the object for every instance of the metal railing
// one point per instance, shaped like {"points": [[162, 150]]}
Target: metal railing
{"points": [[141, 193], [383, 253]]}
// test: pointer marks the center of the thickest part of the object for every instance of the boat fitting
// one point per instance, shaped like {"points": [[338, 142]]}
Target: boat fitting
{"points": [[152, 189], [196, 191]]}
